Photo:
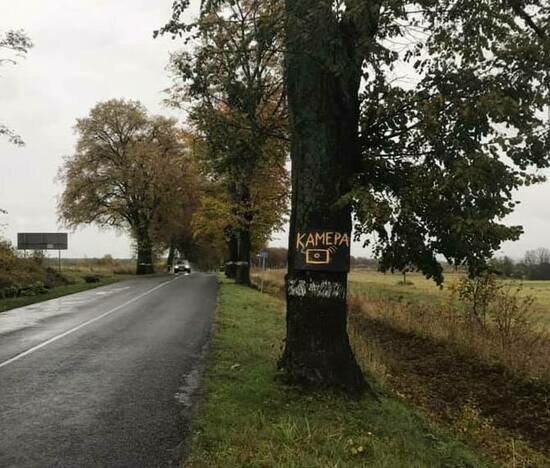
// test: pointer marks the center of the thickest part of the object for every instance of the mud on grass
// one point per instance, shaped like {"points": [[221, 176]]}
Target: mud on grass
{"points": [[248, 418], [506, 416]]}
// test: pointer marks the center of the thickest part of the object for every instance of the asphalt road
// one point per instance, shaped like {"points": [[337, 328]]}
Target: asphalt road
{"points": [[104, 378]]}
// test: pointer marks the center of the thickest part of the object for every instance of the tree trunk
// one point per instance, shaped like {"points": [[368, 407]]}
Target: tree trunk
{"points": [[324, 118], [170, 259], [243, 258], [233, 249], [145, 264]]}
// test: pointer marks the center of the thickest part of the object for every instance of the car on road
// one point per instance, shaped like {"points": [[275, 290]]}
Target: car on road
{"points": [[182, 267]]}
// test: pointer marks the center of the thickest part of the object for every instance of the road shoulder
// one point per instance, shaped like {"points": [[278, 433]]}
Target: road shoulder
{"points": [[248, 418]]}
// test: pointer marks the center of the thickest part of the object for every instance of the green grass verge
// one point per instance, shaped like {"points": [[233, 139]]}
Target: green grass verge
{"points": [[248, 419], [79, 286]]}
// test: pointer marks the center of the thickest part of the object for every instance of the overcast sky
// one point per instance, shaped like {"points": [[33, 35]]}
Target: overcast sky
{"points": [[88, 51]]}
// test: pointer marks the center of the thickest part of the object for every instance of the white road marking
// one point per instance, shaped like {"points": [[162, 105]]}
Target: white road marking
{"points": [[82, 325], [111, 291], [121, 289]]}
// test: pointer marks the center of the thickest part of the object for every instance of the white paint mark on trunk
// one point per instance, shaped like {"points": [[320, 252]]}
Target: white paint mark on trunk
{"points": [[322, 289]]}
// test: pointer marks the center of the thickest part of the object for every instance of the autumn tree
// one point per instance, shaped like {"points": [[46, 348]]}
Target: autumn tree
{"points": [[13, 45], [415, 121], [234, 83], [127, 171], [172, 223]]}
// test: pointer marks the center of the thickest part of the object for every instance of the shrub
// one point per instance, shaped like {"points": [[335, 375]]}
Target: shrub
{"points": [[25, 276], [92, 278], [53, 278], [476, 295], [489, 319], [17, 274], [124, 270]]}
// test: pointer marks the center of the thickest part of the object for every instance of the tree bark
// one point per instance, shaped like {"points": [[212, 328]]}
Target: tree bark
{"points": [[233, 249], [243, 258], [145, 264], [324, 118]]}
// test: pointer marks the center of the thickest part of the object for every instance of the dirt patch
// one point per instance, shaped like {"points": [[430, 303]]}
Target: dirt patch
{"points": [[444, 382]]}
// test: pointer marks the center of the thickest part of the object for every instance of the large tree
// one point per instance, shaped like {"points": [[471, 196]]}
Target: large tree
{"points": [[13, 45], [420, 119], [128, 171], [428, 164], [234, 82]]}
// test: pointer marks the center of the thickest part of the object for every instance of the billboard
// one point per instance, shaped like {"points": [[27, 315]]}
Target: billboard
{"points": [[42, 241]]}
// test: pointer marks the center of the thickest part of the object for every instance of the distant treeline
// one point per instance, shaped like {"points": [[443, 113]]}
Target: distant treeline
{"points": [[535, 265]]}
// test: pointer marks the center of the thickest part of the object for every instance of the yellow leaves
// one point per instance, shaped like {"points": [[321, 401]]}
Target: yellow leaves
{"points": [[129, 168], [357, 448]]}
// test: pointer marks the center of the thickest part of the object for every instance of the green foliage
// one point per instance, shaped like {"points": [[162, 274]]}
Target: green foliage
{"points": [[17, 275], [92, 278], [478, 294], [16, 43], [504, 307], [443, 151], [75, 284], [534, 266], [25, 276], [130, 171]]}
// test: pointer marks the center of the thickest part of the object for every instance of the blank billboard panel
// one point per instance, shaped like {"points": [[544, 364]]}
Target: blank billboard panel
{"points": [[42, 241]]}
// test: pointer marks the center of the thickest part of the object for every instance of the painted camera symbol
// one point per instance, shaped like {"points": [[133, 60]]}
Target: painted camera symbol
{"points": [[318, 256]]}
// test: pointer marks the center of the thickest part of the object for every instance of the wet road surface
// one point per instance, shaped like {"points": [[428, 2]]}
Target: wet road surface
{"points": [[104, 378]]}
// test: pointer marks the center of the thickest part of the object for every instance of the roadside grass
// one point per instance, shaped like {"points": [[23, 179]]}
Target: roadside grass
{"points": [[78, 285], [248, 418], [483, 404], [493, 397]]}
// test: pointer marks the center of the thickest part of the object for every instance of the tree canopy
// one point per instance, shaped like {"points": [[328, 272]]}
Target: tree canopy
{"points": [[13, 45], [232, 82], [419, 118], [453, 116], [443, 152], [130, 171]]}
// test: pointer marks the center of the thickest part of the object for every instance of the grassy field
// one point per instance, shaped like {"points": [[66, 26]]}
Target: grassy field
{"points": [[248, 419], [387, 286]]}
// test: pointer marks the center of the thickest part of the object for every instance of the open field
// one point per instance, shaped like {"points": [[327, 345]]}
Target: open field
{"points": [[249, 419], [378, 286]]}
